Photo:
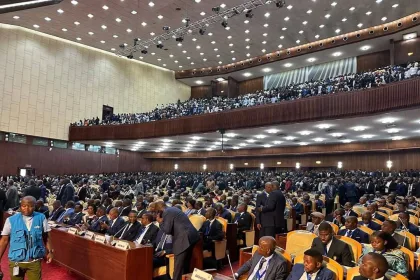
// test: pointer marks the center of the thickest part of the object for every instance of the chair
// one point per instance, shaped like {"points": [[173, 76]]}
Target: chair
{"points": [[413, 219], [197, 220], [330, 264], [249, 234], [411, 238], [359, 210], [334, 227], [299, 241], [395, 276], [410, 261], [387, 210], [352, 272], [250, 209], [355, 246], [382, 214], [366, 229], [219, 246], [232, 213], [376, 221]]}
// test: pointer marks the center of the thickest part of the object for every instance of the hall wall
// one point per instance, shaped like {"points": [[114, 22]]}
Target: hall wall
{"points": [[46, 83]]}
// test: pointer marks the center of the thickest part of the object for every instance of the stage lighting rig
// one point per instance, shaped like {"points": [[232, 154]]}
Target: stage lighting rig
{"points": [[216, 9], [179, 39]]}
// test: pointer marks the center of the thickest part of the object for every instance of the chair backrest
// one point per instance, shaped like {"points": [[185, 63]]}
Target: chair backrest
{"points": [[359, 210], [382, 214], [409, 255], [411, 238], [330, 264], [253, 221], [355, 246], [298, 241], [197, 220], [334, 227], [233, 214], [279, 251], [395, 276], [387, 210], [376, 221], [413, 219], [224, 223], [366, 229], [250, 208], [352, 272]]}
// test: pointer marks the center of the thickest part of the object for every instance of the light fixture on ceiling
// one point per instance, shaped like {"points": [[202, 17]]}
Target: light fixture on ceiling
{"points": [[267, 146], [337, 54], [396, 138], [36, 26], [305, 132], [60, 11], [311, 59], [359, 128], [360, 25], [220, 79], [260, 136], [199, 82], [388, 120], [410, 36], [337, 134], [368, 13], [266, 70], [251, 140], [290, 138], [74, 2], [395, 5], [339, 164], [319, 139], [151, 4], [346, 141], [365, 48], [393, 130], [105, 7], [324, 126], [367, 136], [410, 53], [247, 74], [389, 164], [288, 65], [272, 130], [230, 135], [297, 165], [262, 166]]}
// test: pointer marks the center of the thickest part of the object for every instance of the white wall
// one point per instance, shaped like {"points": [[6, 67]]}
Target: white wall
{"points": [[46, 83]]}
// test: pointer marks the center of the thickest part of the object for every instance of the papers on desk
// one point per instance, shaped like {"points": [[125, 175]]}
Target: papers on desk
{"points": [[201, 275]]}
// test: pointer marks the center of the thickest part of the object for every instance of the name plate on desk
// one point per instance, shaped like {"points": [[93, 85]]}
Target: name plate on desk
{"points": [[72, 231], [89, 235], [122, 245], [201, 275], [100, 239]]}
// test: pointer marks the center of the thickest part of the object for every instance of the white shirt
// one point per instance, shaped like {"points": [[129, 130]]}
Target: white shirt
{"points": [[263, 268], [305, 277], [127, 227], [329, 245], [140, 239]]}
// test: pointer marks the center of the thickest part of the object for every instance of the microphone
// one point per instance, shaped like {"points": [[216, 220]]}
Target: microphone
{"points": [[230, 264]]}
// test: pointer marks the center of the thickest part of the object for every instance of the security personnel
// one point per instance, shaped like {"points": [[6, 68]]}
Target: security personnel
{"points": [[24, 231]]}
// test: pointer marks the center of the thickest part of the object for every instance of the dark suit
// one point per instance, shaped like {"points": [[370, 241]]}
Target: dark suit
{"points": [[75, 219], [150, 235], [163, 242], [213, 232], [96, 225], [32, 191], [202, 212], [357, 235], [339, 251], [412, 229], [350, 214], [261, 201], [226, 215], [55, 214], [379, 217], [44, 210], [128, 232], [298, 271], [184, 237], [277, 268], [115, 226], [82, 193], [68, 194], [125, 211], [273, 214], [244, 222], [402, 240], [372, 225]]}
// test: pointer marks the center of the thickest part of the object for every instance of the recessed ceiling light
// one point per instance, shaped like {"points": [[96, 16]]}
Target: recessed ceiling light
{"points": [[263, 50], [344, 19], [220, 62], [324, 126], [352, 8], [251, 140], [284, 28], [143, 23], [248, 54], [260, 136], [90, 33], [246, 21], [247, 74], [194, 39], [277, 142], [210, 34], [76, 23], [152, 33], [318, 139], [216, 49], [410, 36], [197, 1], [321, 26], [105, 7], [334, 4], [290, 138], [395, 5], [337, 31], [199, 82], [286, 18], [378, 1], [266, 70], [368, 13], [280, 46], [151, 4], [134, 12], [384, 18], [303, 143], [396, 138], [213, 42], [359, 128], [243, 144], [393, 130], [272, 131], [202, 13], [367, 136], [103, 26], [311, 59], [288, 65], [153, 53], [305, 22], [176, 61], [16, 17], [247, 40], [60, 11], [264, 42], [337, 134], [36, 25], [290, 7], [300, 32], [309, 12], [129, 30], [113, 49], [265, 25], [327, 15], [347, 141], [222, 6], [232, 51], [297, 41], [198, 47], [78, 39], [115, 36], [267, 14], [118, 20], [74, 2], [365, 48], [103, 42], [388, 120], [305, 132], [360, 25], [247, 31], [316, 36], [267, 146], [64, 29], [337, 54]]}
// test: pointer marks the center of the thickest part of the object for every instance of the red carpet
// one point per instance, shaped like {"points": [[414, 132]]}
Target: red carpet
{"points": [[227, 271]]}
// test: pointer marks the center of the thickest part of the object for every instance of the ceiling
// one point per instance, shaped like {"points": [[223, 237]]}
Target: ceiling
{"points": [[265, 30], [390, 126]]}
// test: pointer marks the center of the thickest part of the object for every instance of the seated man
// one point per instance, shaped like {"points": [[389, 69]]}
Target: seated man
{"points": [[412, 203], [147, 234], [244, 221], [327, 245], [389, 227], [212, 230], [126, 207], [200, 209], [337, 218], [362, 202], [57, 211], [319, 204], [101, 219], [404, 224], [307, 200], [297, 206], [367, 221], [68, 211], [348, 211], [41, 208], [353, 232], [163, 246], [311, 268], [402, 207], [141, 208], [373, 208], [382, 204], [265, 263], [131, 228], [76, 217], [115, 223], [373, 266], [316, 218], [224, 213]]}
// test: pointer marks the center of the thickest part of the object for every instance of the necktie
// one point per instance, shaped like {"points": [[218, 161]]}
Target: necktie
{"points": [[349, 233], [308, 276], [257, 275], [208, 229], [125, 228], [325, 250]]}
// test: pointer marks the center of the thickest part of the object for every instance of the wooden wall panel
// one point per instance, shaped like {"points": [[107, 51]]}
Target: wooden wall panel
{"points": [[396, 96], [402, 48], [251, 85], [409, 159], [201, 92], [233, 87], [373, 61], [66, 161]]}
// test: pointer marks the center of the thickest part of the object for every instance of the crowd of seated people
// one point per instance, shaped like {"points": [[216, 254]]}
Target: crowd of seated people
{"points": [[369, 200], [341, 83]]}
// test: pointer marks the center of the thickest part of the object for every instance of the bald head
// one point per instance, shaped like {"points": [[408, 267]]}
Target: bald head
{"points": [[374, 266], [158, 206], [27, 205], [267, 246], [29, 199]]}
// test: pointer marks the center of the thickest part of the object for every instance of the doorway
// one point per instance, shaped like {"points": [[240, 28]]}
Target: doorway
{"points": [[107, 112], [26, 172]]}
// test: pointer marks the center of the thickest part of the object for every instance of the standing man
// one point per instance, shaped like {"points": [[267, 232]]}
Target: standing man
{"points": [[25, 254], [184, 236], [273, 212], [264, 220]]}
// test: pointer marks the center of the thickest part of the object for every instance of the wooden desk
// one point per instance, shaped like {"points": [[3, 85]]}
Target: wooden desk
{"points": [[232, 242], [99, 261], [216, 276]]}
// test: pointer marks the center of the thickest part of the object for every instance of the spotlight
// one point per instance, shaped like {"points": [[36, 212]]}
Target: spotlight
{"points": [[280, 3], [224, 23], [216, 9], [166, 28], [202, 31], [130, 56], [159, 46], [144, 51], [179, 39], [249, 14]]}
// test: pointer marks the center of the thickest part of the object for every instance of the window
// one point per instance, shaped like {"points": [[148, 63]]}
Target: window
{"points": [[40, 142], [17, 138], [78, 146], [93, 148], [109, 150], [59, 144]]}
